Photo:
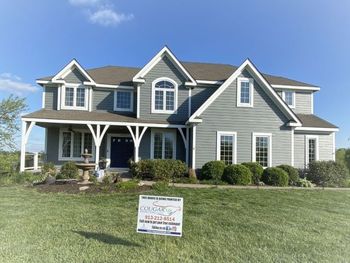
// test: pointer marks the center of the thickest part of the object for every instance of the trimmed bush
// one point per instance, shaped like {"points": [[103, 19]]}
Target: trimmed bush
{"points": [[49, 169], [158, 169], [327, 173], [69, 171], [275, 176], [303, 183], [256, 170], [212, 170], [293, 174], [237, 174]]}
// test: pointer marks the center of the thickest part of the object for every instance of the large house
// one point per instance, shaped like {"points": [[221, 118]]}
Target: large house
{"points": [[170, 109]]}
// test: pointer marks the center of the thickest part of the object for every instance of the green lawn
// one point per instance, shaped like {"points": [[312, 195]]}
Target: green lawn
{"points": [[219, 226]]}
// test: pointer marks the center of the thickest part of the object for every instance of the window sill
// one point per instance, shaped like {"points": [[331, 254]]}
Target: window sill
{"points": [[245, 105], [125, 110], [164, 112]]}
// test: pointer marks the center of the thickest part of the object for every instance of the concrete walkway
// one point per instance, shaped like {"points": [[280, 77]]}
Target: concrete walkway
{"points": [[205, 186]]}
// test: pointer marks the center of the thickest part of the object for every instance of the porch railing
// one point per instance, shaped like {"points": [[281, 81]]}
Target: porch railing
{"points": [[33, 161]]}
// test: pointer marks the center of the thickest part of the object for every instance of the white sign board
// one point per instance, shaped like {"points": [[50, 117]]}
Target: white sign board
{"points": [[160, 215]]}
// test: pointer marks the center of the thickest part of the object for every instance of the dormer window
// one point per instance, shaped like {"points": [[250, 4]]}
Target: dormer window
{"points": [[245, 89], [164, 96], [289, 97], [74, 97]]}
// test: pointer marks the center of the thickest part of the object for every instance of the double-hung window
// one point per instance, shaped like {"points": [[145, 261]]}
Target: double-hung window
{"points": [[311, 149], [245, 90], [73, 143], [289, 97], [74, 97], [262, 149], [164, 96], [123, 100], [163, 144], [226, 147]]}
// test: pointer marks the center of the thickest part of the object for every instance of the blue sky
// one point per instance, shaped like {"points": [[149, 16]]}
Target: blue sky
{"points": [[303, 40]]}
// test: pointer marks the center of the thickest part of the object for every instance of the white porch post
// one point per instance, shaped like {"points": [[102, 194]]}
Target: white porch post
{"points": [[26, 129], [137, 139], [194, 131], [98, 137], [185, 140], [36, 161]]}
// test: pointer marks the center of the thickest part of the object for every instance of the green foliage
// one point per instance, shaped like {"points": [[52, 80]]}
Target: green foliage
{"points": [[49, 169], [8, 162], [10, 110], [21, 178], [192, 176], [160, 186], [328, 173], [275, 176], [256, 170], [108, 179], [128, 185], [212, 170], [293, 174], [237, 174], [303, 183], [69, 171], [158, 169]]}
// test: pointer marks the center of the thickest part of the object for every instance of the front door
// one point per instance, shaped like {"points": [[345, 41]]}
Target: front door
{"points": [[122, 149]]}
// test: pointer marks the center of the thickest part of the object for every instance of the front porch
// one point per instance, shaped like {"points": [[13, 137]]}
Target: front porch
{"points": [[115, 141]]}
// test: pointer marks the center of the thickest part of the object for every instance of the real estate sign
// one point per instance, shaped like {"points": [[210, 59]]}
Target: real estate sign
{"points": [[160, 215]]}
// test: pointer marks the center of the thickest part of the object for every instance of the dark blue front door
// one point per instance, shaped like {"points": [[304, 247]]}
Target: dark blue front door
{"points": [[122, 149]]}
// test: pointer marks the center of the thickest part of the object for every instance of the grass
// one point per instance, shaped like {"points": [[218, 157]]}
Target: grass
{"points": [[219, 226]]}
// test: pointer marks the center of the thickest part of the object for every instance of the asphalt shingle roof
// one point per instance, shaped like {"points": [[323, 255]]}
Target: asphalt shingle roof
{"points": [[311, 120]]}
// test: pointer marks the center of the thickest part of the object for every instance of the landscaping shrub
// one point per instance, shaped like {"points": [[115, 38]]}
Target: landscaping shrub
{"points": [[237, 174], [158, 169], [256, 170], [69, 171], [160, 186], [275, 176], [303, 183], [128, 185], [328, 173], [21, 178], [293, 174], [212, 170], [49, 169], [8, 162]]}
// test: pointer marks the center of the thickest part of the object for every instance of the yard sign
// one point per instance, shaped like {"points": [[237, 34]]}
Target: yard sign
{"points": [[160, 215]]}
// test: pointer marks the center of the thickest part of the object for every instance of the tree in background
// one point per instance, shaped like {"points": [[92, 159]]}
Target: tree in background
{"points": [[10, 111], [343, 156]]}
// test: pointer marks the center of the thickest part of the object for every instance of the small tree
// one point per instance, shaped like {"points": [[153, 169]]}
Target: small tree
{"points": [[10, 110]]}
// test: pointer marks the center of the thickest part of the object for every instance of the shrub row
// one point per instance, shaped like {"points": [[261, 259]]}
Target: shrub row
{"points": [[327, 174]]}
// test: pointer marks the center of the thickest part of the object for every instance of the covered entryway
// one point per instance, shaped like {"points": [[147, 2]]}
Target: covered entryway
{"points": [[121, 151]]}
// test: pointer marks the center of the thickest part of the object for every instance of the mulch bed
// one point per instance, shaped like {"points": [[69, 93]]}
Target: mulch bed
{"points": [[73, 188]]}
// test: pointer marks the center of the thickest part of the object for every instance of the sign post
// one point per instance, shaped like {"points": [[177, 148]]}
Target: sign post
{"points": [[160, 215]]}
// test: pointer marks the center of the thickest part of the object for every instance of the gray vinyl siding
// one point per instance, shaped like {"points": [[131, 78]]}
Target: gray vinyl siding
{"points": [[51, 98], [164, 68], [75, 77], [325, 148], [303, 102], [52, 142], [224, 115], [199, 95]]}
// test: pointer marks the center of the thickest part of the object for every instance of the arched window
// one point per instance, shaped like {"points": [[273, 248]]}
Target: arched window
{"points": [[164, 95]]}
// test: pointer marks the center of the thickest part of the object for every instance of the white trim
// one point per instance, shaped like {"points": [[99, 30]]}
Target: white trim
{"points": [[334, 151], [131, 101], [138, 102], [59, 91], [250, 104], [228, 82], [295, 87], [108, 148], [234, 146], [316, 129], [60, 140], [189, 102], [68, 68], [293, 98], [154, 125], [312, 103], [164, 51], [175, 90], [173, 132], [209, 82], [307, 138], [292, 147], [90, 99], [74, 87], [43, 98], [194, 143], [269, 136], [38, 81]]}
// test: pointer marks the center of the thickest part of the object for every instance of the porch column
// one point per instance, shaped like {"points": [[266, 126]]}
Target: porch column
{"points": [[26, 129], [194, 131], [185, 141], [98, 137], [137, 139]]}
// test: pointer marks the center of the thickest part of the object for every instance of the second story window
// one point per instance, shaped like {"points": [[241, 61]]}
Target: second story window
{"points": [[289, 97], [74, 97], [245, 89], [123, 100], [164, 96]]}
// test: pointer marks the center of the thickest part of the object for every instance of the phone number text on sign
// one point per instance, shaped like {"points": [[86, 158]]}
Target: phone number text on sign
{"points": [[160, 215]]}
